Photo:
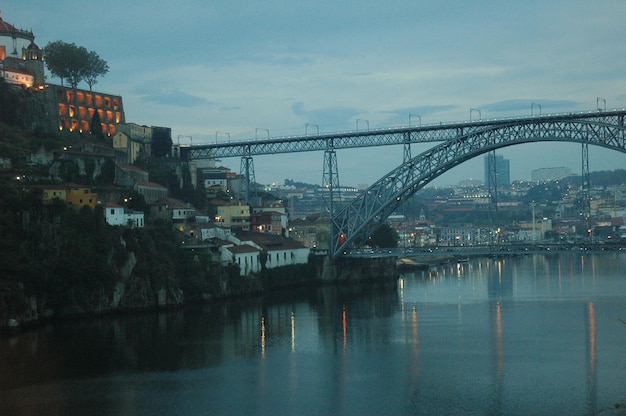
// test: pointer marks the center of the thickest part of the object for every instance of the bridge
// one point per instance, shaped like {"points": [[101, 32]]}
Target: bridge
{"points": [[353, 223], [489, 250]]}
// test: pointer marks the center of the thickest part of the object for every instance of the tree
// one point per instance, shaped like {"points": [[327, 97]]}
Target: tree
{"points": [[54, 52], [74, 63], [96, 126], [96, 67], [384, 236]]}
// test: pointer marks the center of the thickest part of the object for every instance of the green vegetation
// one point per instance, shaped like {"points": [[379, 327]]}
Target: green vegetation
{"points": [[384, 237], [74, 64]]}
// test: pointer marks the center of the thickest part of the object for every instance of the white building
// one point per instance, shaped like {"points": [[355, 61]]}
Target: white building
{"points": [[247, 248], [117, 215]]}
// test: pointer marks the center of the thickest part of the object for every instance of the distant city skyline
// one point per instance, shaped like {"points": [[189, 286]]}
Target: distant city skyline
{"points": [[226, 70]]}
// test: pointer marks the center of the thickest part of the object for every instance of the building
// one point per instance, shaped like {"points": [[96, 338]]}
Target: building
{"points": [[151, 191], [134, 140], [271, 218], [21, 60], [76, 196], [117, 215], [74, 109], [172, 209], [549, 174], [253, 251], [130, 175], [22, 63], [497, 171], [234, 216]]}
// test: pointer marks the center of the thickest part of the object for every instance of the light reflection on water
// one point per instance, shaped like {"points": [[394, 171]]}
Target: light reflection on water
{"points": [[526, 335]]}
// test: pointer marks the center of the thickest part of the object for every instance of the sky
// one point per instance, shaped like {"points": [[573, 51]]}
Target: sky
{"points": [[211, 70]]}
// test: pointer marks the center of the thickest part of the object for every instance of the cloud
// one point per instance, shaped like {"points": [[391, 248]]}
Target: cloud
{"points": [[175, 98], [517, 106], [328, 119]]}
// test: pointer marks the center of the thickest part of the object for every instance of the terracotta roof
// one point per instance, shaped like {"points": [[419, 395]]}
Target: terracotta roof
{"points": [[269, 242], [6, 26], [244, 248], [172, 203], [150, 184], [129, 167]]}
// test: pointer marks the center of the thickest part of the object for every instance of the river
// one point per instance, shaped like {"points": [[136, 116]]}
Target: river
{"points": [[529, 335]]}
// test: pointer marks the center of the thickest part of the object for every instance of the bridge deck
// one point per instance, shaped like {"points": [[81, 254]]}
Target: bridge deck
{"points": [[370, 138]]}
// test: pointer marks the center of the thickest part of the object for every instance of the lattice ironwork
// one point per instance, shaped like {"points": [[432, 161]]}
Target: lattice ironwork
{"points": [[380, 137], [358, 220]]}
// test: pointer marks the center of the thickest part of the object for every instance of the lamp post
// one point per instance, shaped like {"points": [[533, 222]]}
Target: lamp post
{"points": [[532, 105], [478, 111], [598, 103], [415, 115], [222, 132], [306, 128], [366, 121], [532, 205], [256, 133]]}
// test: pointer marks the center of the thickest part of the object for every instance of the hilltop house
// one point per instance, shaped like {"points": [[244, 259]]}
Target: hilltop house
{"points": [[172, 209], [247, 247], [117, 215], [74, 195]]}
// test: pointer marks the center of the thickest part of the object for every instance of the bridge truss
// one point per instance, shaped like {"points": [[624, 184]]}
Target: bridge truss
{"points": [[354, 223]]}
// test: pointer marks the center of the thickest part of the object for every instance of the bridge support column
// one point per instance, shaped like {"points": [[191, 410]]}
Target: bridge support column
{"points": [[246, 171], [407, 147], [492, 192], [330, 182], [585, 193]]}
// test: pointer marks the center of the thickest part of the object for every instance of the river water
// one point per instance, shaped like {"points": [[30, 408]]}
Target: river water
{"points": [[530, 335]]}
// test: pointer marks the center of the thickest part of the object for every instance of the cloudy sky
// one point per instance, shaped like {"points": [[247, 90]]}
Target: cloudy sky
{"points": [[210, 68]]}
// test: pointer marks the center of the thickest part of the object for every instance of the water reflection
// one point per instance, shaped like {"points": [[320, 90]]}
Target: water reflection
{"points": [[528, 335]]}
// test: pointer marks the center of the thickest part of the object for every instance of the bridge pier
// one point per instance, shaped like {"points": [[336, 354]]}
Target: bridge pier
{"points": [[355, 270]]}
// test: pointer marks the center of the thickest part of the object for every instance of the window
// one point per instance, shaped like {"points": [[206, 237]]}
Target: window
{"points": [[112, 211]]}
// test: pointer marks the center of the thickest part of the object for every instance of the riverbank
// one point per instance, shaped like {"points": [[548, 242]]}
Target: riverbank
{"points": [[222, 283]]}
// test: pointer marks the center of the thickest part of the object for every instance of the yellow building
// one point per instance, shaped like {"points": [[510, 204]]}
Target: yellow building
{"points": [[235, 216], [134, 139], [76, 196]]}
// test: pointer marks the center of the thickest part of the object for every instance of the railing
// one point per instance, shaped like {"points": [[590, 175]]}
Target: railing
{"points": [[434, 132], [489, 250]]}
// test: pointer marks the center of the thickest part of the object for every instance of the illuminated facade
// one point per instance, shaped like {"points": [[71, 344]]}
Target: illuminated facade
{"points": [[21, 60], [22, 64], [75, 108]]}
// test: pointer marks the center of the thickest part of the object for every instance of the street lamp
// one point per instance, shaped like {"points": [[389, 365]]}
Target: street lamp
{"points": [[415, 115], [222, 132], [306, 128], [477, 110], [598, 103], [532, 205], [366, 121], [256, 133], [532, 105]]}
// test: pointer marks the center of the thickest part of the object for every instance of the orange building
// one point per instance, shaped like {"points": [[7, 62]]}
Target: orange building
{"points": [[74, 195], [75, 108]]}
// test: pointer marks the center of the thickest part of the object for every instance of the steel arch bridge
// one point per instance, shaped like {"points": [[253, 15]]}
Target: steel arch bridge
{"points": [[354, 223]]}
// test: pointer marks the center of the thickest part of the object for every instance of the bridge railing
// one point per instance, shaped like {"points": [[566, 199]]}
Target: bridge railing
{"points": [[431, 132]]}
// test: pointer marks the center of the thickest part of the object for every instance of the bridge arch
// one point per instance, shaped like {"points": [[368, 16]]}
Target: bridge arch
{"points": [[355, 222]]}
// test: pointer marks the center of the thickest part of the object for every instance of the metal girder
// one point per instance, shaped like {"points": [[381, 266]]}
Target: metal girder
{"points": [[382, 137], [355, 222]]}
